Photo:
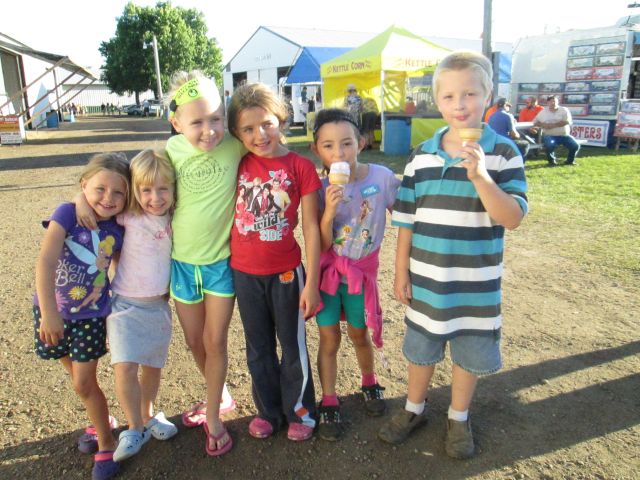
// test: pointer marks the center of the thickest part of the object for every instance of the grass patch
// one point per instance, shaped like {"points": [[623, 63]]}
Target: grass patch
{"points": [[589, 213], [591, 210]]}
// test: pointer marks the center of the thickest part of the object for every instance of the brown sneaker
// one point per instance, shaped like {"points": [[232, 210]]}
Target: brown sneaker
{"points": [[459, 441], [400, 426]]}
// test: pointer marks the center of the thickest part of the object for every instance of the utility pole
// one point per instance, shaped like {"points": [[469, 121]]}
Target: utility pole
{"points": [[486, 47], [157, 64], [486, 30]]}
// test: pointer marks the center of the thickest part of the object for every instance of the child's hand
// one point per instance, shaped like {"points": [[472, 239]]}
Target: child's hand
{"points": [[473, 160], [402, 288], [51, 329], [333, 197], [85, 215], [309, 301]]}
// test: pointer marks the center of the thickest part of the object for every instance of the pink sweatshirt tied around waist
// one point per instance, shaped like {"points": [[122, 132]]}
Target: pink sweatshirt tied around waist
{"points": [[359, 273]]}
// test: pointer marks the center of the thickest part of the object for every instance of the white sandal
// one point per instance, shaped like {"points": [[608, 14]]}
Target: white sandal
{"points": [[129, 443], [160, 427]]}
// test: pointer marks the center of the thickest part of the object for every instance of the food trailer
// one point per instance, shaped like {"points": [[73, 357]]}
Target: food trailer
{"points": [[590, 71]]}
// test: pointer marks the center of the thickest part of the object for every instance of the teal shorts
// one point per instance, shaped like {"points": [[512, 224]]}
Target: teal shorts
{"points": [[190, 283], [353, 306]]}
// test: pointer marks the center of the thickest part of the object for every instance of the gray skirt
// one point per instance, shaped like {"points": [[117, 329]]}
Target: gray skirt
{"points": [[138, 331]]}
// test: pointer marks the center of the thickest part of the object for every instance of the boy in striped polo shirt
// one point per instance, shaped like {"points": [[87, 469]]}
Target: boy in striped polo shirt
{"points": [[456, 199]]}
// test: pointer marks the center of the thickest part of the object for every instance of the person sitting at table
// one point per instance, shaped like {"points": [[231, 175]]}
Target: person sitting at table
{"points": [[555, 122], [504, 124], [529, 113], [492, 109]]}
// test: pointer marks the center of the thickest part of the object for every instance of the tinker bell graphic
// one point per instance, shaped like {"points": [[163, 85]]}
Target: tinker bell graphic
{"points": [[342, 238], [98, 260]]}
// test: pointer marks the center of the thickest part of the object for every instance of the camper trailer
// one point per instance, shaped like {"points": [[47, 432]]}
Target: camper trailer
{"points": [[591, 71]]}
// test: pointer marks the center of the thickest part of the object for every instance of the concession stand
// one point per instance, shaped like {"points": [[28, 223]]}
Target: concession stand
{"points": [[381, 70]]}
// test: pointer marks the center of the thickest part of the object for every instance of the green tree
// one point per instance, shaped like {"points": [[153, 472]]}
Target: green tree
{"points": [[182, 45]]}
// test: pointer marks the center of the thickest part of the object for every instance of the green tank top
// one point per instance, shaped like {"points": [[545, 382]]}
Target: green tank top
{"points": [[205, 187]]}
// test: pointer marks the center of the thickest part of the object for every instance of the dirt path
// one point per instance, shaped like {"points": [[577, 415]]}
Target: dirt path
{"points": [[566, 405]]}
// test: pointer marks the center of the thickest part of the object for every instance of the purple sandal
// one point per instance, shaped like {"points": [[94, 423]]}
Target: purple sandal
{"points": [[88, 441]]}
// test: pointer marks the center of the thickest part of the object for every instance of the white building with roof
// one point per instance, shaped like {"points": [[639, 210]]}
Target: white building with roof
{"points": [[270, 54]]}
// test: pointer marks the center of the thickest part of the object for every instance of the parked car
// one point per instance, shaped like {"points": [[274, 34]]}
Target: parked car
{"points": [[132, 109], [155, 108]]}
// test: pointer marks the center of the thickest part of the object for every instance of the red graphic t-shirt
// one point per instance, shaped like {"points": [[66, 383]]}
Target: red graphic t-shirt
{"points": [[266, 214]]}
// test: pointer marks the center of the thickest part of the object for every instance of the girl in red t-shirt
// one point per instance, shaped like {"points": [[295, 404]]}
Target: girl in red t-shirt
{"points": [[274, 297]]}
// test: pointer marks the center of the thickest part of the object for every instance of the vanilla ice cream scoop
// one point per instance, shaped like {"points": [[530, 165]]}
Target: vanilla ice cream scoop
{"points": [[339, 173], [470, 134]]}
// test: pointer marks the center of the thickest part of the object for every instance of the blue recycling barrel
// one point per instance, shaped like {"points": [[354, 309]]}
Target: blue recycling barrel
{"points": [[397, 136], [52, 119]]}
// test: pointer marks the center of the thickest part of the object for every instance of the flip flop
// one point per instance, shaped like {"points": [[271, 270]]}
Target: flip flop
{"points": [[230, 407], [216, 452], [195, 416]]}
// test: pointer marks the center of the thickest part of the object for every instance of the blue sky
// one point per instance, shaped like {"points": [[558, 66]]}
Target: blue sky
{"points": [[76, 27]]}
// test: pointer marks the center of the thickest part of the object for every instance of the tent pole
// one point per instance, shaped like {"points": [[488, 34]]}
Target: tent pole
{"points": [[382, 121]]}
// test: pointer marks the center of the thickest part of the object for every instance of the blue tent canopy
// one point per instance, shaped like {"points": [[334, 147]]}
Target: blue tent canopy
{"points": [[307, 67], [505, 67]]}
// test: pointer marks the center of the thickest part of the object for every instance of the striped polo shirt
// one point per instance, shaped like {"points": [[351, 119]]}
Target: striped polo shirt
{"points": [[456, 252]]}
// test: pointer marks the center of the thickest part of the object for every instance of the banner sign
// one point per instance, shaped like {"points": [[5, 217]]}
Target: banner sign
{"points": [[10, 130], [595, 132]]}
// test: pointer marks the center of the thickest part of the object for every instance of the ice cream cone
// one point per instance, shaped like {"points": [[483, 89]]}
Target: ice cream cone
{"points": [[339, 173], [470, 134]]}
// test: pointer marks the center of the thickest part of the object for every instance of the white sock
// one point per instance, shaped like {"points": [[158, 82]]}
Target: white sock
{"points": [[416, 408], [457, 415]]}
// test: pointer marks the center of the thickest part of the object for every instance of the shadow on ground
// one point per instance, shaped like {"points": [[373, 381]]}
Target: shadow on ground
{"points": [[571, 418]]}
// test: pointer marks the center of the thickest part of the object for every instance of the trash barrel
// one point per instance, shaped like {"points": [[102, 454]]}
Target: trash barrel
{"points": [[52, 119], [397, 136]]}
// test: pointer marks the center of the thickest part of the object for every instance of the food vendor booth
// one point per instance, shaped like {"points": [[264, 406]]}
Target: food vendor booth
{"points": [[380, 69]]}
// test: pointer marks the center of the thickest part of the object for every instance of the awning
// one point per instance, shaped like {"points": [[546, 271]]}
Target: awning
{"points": [[307, 67], [22, 108], [63, 62]]}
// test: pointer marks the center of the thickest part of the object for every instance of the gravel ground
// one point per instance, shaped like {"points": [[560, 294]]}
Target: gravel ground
{"points": [[566, 404]]}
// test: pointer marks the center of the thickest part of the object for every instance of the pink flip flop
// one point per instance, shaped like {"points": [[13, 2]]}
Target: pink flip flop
{"points": [[230, 407], [216, 452], [195, 416]]}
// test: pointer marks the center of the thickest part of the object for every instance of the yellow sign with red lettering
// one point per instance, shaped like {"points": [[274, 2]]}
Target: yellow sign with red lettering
{"points": [[10, 130]]}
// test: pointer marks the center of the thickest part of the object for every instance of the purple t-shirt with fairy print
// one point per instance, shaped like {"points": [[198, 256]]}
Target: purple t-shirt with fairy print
{"points": [[358, 228], [82, 283]]}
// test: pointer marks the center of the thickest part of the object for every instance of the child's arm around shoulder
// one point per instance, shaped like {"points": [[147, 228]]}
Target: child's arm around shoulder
{"points": [[51, 325], [85, 215], [310, 297]]}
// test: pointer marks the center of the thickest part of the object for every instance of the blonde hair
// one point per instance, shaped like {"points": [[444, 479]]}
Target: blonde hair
{"points": [[206, 85], [463, 60], [115, 162], [146, 167], [255, 95]]}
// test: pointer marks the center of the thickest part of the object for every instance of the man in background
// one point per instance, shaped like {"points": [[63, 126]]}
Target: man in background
{"points": [[555, 122], [504, 124]]}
